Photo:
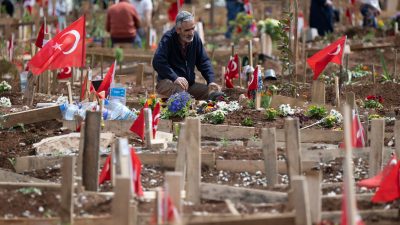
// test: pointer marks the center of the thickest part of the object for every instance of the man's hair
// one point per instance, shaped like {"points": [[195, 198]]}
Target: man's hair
{"points": [[183, 16]]}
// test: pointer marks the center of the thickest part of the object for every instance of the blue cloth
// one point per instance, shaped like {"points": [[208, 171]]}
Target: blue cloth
{"points": [[233, 7], [321, 17], [170, 64], [369, 15]]}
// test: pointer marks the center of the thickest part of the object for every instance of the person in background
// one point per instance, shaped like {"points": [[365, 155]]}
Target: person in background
{"points": [[178, 52], [8, 6], [144, 8], [61, 13], [370, 9], [122, 22], [233, 7], [321, 16]]}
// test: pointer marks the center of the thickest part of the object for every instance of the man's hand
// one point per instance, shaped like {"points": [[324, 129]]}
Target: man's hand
{"points": [[213, 87], [182, 82]]}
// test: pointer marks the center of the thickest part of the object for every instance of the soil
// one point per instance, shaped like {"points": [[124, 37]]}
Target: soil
{"points": [[18, 141]]}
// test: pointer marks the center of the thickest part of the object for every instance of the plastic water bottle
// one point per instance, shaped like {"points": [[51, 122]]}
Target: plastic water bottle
{"points": [[69, 111], [118, 111]]}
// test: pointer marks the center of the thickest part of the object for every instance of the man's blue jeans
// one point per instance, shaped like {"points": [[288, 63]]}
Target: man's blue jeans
{"points": [[233, 7]]}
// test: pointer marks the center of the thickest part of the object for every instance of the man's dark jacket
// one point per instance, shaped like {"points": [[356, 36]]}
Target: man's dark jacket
{"points": [[170, 63]]}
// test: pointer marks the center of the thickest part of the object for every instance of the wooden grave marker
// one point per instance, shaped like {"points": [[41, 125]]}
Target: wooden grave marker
{"points": [[180, 163], [121, 201], [301, 200], [90, 164], [313, 179], [377, 146], [351, 100], [268, 136], [140, 75], [67, 191], [292, 136], [318, 92], [348, 167], [175, 187], [193, 159], [148, 131]]}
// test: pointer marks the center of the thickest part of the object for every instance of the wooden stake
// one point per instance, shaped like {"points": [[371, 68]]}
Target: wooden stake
{"points": [[101, 66], [296, 41], [377, 145], [148, 127], [223, 71], [304, 53], [301, 201], [159, 206], [250, 47], [193, 159], [395, 64], [351, 100], [292, 139], [348, 168], [67, 191], [30, 89], [337, 93], [79, 167], [121, 201], [233, 49], [174, 183], [154, 81], [140, 75], [313, 179], [268, 136], [91, 151], [124, 163], [397, 137], [69, 93], [258, 100]]}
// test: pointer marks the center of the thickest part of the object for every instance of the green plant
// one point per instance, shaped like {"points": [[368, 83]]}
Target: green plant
{"points": [[270, 113], [12, 161], [224, 142], [4, 86], [243, 26], [386, 76], [251, 104], [283, 43], [30, 190], [329, 121], [119, 55], [265, 100], [269, 26], [217, 117], [317, 112], [373, 102], [248, 122], [22, 126]]}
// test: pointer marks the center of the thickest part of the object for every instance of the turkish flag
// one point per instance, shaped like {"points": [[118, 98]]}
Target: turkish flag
{"points": [[138, 125], [358, 133], [375, 181], [228, 82], [65, 73], [389, 188], [40, 38], [136, 170], [232, 70], [67, 48], [253, 84], [10, 47], [331, 53], [344, 212], [108, 79], [105, 173], [156, 118]]}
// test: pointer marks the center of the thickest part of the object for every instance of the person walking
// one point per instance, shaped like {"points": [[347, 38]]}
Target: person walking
{"points": [[322, 16]]}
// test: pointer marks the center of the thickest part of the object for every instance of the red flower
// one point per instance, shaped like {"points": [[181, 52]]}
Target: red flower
{"points": [[380, 99], [371, 97]]}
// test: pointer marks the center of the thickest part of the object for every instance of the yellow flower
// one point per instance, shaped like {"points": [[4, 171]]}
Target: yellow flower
{"points": [[153, 96], [149, 101], [381, 24]]}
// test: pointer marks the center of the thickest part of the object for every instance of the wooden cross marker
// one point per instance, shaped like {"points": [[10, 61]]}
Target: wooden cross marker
{"points": [[223, 71], [121, 201], [67, 190], [69, 93], [180, 164], [193, 159], [348, 168], [377, 145], [292, 139], [79, 167], [30, 89], [148, 131], [301, 201], [91, 151], [175, 186], [268, 136]]}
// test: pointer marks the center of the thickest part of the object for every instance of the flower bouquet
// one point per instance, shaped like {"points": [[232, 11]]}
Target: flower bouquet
{"points": [[178, 105], [373, 102], [269, 26], [4, 86], [151, 101]]}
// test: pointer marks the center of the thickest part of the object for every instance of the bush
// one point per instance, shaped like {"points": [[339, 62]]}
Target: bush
{"points": [[316, 112], [248, 122], [270, 113]]}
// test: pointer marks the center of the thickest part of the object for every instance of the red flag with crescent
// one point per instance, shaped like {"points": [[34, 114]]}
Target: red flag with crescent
{"points": [[232, 70], [67, 48], [331, 53], [65, 73]]}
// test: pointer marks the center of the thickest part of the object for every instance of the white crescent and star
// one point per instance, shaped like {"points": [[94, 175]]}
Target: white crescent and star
{"points": [[337, 51], [68, 71], [234, 65], [77, 38]]}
